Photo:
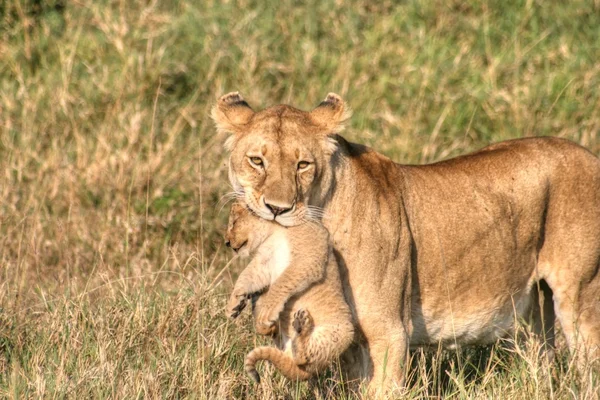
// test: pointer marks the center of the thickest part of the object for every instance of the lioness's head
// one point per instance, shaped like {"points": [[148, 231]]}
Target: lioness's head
{"points": [[280, 156], [245, 231]]}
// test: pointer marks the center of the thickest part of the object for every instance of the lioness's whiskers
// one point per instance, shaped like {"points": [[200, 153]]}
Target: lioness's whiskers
{"points": [[315, 212], [308, 217], [310, 221], [316, 209], [227, 197]]}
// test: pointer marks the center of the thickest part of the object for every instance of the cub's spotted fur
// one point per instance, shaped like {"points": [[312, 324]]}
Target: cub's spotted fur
{"points": [[304, 307]]}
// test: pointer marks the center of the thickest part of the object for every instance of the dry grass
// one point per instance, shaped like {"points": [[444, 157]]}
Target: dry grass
{"points": [[112, 273]]}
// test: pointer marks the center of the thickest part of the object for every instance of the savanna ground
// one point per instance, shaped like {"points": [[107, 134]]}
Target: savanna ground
{"points": [[113, 273]]}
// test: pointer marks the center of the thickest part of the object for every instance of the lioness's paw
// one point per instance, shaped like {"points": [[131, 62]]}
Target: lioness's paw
{"points": [[303, 322]]}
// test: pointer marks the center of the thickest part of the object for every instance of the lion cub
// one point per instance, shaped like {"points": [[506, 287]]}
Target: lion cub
{"points": [[304, 307]]}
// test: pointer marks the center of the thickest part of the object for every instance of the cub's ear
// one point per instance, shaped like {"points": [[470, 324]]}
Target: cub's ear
{"points": [[332, 114], [231, 113]]}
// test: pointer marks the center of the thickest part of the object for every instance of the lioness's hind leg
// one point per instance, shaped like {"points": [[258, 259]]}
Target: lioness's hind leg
{"points": [[577, 306], [543, 319], [589, 308], [569, 259]]}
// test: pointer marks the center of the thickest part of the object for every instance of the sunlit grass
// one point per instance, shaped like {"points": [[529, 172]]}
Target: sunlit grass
{"points": [[112, 271]]}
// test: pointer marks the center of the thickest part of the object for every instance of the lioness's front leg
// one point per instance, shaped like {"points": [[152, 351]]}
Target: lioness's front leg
{"points": [[383, 311], [388, 351], [252, 279]]}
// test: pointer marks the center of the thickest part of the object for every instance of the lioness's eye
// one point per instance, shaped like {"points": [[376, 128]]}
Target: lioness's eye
{"points": [[303, 164], [256, 161]]}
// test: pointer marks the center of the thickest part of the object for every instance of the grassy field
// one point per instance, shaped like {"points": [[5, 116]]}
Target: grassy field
{"points": [[113, 273]]}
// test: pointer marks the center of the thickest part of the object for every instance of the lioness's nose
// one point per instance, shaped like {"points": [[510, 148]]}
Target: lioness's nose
{"points": [[277, 210]]}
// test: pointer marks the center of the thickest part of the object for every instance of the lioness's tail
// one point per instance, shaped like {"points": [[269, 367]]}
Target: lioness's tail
{"points": [[284, 363]]}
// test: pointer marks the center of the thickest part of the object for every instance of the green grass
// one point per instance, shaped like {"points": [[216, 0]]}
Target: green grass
{"points": [[112, 271]]}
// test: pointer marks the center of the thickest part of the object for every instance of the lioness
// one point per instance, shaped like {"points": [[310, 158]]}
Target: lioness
{"points": [[450, 252], [296, 264]]}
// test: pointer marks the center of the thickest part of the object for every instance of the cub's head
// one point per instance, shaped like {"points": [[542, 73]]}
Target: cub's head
{"points": [[280, 157], [245, 231]]}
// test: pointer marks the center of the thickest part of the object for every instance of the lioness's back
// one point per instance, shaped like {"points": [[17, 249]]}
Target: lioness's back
{"points": [[539, 157], [520, 178]]}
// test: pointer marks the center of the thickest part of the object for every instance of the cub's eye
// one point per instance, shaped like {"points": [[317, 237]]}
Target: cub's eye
{"points": [[303, 164], [256, 161]]}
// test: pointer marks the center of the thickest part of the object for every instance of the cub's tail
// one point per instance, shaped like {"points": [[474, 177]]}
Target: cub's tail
{"points": [[284, 363]]}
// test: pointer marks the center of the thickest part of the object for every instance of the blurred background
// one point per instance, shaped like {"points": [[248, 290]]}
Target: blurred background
{"points": [[113, 272]]}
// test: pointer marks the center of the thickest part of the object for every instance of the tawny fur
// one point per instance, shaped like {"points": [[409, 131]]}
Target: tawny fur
{"points": [[453, 252], [304, 307], [283, 362]]}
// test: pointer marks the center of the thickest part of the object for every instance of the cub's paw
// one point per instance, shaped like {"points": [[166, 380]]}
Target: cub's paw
{"points": [[269, 329], [303, 323], [236, 304], [267, 311]]}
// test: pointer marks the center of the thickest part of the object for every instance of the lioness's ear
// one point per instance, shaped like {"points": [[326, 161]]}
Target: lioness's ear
{"points": [[231, 113], [331, 114]]}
